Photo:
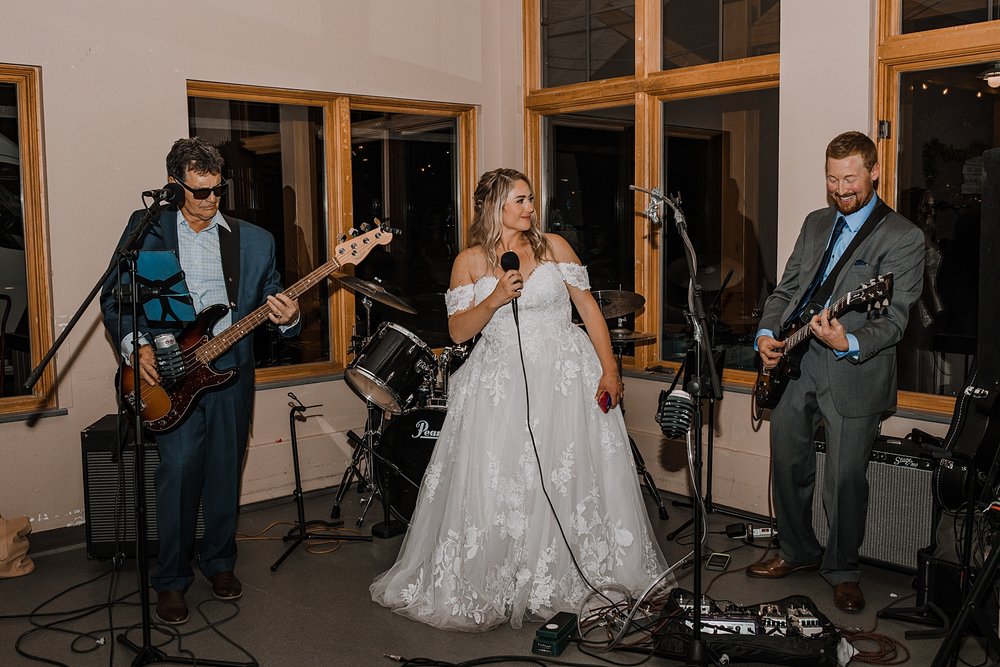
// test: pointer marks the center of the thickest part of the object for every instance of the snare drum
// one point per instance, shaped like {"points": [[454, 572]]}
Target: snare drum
{"points": [[390, 368], [403, 453]]}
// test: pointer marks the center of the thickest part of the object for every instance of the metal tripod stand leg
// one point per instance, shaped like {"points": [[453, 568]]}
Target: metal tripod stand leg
{"points": [[647, 479], [640, 463], [362, 451]]}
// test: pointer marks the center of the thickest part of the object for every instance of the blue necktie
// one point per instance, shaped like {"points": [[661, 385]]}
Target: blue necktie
{"points": [[817, 280]]}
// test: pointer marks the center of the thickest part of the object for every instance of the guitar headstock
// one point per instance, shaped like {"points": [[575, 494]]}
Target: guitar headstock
{"points": [[876, 294], [353, 249]]}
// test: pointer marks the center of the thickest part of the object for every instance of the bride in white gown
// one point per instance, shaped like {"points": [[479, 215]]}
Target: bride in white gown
{"points": [[483, 547]]}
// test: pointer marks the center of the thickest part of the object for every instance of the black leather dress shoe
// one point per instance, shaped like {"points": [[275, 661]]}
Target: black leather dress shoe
{"points": [[226, 586], [171, 608], [778, 567], [848, 597]]}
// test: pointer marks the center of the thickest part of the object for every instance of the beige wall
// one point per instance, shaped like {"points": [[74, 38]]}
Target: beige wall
{"points": [[114, 97], [113, 88]]}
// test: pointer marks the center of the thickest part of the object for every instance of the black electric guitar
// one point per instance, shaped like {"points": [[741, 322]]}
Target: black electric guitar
{"points": [[165, 405], [771, 383]]}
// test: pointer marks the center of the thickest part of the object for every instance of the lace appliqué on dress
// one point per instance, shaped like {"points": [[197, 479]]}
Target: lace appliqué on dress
{"points": [[458, 299], [575, 275]]}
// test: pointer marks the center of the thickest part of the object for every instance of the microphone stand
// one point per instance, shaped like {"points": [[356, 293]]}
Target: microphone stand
{"points": [[127, 253], [699, 387]]}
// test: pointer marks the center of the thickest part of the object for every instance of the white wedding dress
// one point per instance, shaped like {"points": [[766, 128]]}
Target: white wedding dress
{"points": [[483, 547]]}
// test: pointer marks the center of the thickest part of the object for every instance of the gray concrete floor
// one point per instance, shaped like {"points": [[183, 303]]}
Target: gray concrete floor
{"points": [[315, 610]]}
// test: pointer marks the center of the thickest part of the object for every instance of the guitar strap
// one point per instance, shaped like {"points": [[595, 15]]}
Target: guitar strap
{"points": [[825, 290], [229, 247]]}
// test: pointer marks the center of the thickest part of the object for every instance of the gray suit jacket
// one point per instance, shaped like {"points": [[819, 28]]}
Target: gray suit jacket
{"points": [[866, 386]]}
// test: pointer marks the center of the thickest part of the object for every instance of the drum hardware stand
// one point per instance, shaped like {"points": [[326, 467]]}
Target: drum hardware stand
{"points": [[363, 446], [300, 532], [640, 463]]}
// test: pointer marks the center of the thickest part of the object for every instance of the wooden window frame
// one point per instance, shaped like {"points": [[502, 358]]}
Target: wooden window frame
{"points": [[337, 109], [646, 90], [898, 53], [27, 79]]}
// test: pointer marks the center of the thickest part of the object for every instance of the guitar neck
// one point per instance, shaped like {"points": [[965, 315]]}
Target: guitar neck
{"points": [[218, 345], [803, 332]]}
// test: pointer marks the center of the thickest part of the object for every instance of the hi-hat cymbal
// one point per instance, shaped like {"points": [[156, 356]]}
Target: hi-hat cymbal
{"points": [[618, 303], [622, 336], [375, 291]]}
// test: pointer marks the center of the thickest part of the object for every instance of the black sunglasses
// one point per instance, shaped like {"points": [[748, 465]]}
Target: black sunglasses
{"points": [[203, 193]]}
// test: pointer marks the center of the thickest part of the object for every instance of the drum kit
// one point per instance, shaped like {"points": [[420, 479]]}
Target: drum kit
{"points": [[404, 384]]}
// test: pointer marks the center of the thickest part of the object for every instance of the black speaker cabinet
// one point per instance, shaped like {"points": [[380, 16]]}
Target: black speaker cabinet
{"points": [[109, 492], [900, 503]]}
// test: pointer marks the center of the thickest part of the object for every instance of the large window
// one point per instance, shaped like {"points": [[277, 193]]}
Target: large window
{"points": [[25, 311], [693, 110], [311, 167], [939, 115]]}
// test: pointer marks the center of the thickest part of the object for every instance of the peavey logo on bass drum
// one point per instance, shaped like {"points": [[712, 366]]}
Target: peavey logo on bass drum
{"points": [[424, 431]]}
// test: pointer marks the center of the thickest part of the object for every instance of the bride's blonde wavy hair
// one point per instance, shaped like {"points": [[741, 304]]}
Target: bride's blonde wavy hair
{"points": [[490, 196]]}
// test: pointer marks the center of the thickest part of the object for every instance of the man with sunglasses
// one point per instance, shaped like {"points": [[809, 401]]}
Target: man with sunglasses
{"points": [[228, 261]]}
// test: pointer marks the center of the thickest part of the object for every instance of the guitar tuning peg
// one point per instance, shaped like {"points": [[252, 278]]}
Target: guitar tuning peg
{"points": [[365, 226], [342, 239], [353, 232]]}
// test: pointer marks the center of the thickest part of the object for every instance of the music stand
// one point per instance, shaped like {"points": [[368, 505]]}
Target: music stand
{"points": [[300, 532]]}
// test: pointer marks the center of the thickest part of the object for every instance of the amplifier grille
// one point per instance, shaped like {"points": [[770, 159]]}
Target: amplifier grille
{"points": [[900, 506]]}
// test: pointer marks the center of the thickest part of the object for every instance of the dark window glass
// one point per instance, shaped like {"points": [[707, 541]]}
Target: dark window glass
{"points": [[589, 168], [722, 158], [15, 320], [696, 32], [404, 170], [275, 160], [918, 15], [947, 120], [587, 40]]}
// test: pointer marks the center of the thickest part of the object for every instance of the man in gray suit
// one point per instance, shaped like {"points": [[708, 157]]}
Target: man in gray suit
{"points": [[848, 370]]}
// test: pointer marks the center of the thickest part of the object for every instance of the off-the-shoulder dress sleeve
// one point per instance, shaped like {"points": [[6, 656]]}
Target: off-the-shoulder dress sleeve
{"points": [[575, 275], [458, 299]]}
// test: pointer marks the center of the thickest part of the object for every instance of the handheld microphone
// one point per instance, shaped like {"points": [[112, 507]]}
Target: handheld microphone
{"points": [[171, 193], [509, 261], [674, 413], [169, 360]]}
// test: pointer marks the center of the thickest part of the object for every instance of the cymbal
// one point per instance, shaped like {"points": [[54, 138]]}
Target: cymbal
{"points": [[711, 273], [623, 336], [375, 291], [618, 303]]}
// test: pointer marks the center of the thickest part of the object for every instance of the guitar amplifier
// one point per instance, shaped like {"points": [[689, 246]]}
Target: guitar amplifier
{"points": [[900, 503], [109, 491]]}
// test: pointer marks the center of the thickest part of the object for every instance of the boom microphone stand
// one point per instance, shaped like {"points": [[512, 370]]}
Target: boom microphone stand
{"points": [[699, 387]]}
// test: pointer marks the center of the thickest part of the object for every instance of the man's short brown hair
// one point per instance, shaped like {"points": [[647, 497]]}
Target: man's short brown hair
{"points": [[853, 143]]}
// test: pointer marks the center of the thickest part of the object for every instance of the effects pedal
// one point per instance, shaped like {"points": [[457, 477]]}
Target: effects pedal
{"points": [[553, 637]]}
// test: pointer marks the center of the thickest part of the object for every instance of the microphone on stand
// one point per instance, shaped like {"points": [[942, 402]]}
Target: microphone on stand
{"points": [[169, 360], [171, 193], [674, 413], [509, 261]]}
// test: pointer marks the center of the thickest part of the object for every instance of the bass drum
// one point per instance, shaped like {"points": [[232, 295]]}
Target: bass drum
{"points": [[402, 456]]}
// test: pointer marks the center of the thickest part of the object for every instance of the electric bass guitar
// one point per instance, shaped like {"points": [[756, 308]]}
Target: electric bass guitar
{"points": [[165, 405], [771, 383]]}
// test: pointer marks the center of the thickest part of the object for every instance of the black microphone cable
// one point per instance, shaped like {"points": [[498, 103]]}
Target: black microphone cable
{"points": [[510, 261]]}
